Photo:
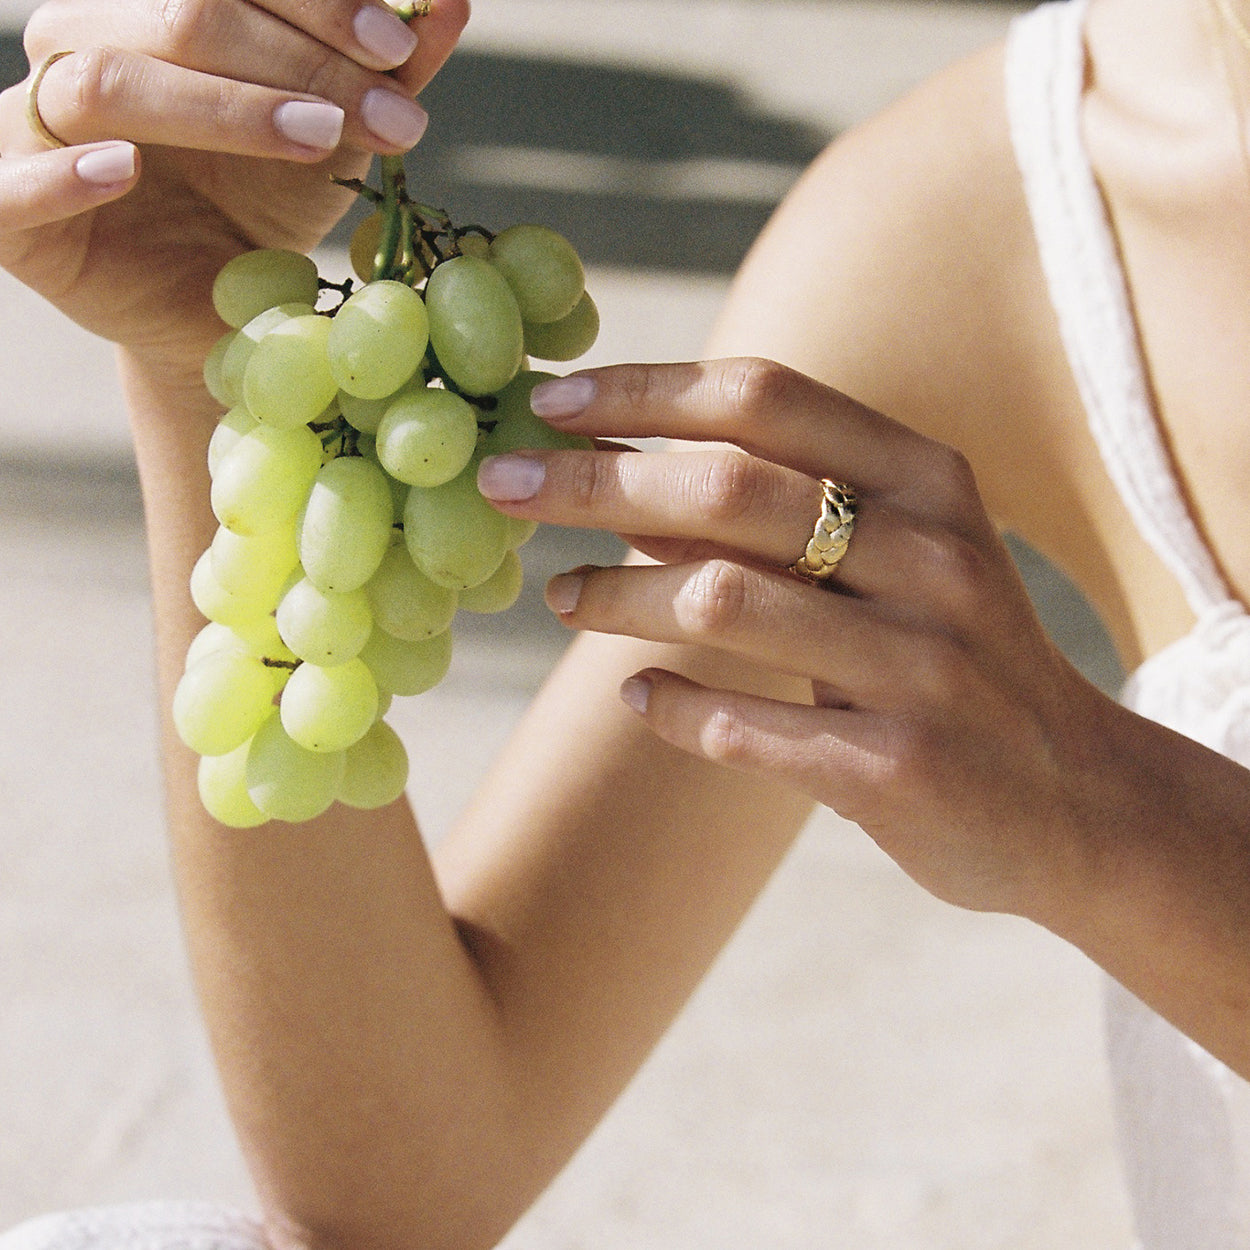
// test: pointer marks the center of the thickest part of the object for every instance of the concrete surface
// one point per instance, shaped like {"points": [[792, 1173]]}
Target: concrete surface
{"points": [[864, 1068]]}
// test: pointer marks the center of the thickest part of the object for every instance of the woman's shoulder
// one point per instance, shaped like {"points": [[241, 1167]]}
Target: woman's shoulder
{"points": [[902, 267]]}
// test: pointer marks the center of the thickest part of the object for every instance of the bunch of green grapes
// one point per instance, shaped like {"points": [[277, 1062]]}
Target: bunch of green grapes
{"points": [[343, 473]]}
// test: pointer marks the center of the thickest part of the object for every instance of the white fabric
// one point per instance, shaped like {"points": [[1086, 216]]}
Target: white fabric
{"points": [[1183, 1117], [139, 1226]]}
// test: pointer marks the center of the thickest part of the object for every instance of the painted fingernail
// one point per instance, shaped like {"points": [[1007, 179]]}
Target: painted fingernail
{"points": [[394, 118], [384, 36], [510, 479], [636, 693], [108, 165], [564, 591], [562, 398], [310, 123]]}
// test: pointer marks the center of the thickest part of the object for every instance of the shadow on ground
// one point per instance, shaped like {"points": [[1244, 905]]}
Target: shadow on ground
{"points": [[638, 168]]}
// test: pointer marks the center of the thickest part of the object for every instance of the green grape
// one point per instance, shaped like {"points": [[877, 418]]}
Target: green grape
{"points": [[255, 567], [264, 479], [321, 626], [543, 269], [221, 700], [499, 591], [222, 783], [287, 380], [568, 338], [427, 436], [261, 279], [363, 248], [474, 244], [405, 603], [217, 603], [364, 415], [516, 426], [520, 531], [475, 325], [212, 371], [230, 428], [287, 781], [376, 770], [213, 637], [234, 361], [377, 339], [258, 637], [407, 668], [453, 535], [346, 524], [327, 709]]}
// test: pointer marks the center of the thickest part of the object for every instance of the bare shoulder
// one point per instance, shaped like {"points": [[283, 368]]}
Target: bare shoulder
{"points": [[902, 270]]}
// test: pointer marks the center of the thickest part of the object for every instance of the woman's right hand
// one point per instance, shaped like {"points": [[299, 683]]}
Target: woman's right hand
{"points": [[239, 112]]}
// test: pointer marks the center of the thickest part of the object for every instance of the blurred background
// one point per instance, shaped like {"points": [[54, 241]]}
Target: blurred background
{"points": [[865, 1067]]}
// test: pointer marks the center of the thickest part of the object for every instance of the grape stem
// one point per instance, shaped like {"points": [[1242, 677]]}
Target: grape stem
{"points": [[394, 197]]}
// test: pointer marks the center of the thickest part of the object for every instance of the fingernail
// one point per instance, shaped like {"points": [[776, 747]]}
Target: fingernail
{"points": [[310, 123], [564, 591], [510, 479], [107, 165], [394, 118], [636, 693], [562, 397], [384, 36]]}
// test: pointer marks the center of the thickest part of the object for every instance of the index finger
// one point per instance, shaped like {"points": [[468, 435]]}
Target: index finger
{"points": [[438, 32], [767, 409]]}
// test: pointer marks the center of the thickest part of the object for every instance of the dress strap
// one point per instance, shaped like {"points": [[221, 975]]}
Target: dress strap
{"points": [[1045, 79]]}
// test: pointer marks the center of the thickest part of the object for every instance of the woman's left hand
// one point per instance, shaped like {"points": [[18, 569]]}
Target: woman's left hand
{"points": [[943, 720]]}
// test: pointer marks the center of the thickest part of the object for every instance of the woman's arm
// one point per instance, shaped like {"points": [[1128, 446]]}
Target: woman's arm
{"points": [[410, 1059], [944, 723]]}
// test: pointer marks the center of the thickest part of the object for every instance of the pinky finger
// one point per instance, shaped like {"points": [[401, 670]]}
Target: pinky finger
{"points": [[813, 749], [52, 186]]}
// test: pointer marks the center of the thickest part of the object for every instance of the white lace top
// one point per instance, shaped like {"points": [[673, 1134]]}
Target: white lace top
{"points": [[1183, 1117]]}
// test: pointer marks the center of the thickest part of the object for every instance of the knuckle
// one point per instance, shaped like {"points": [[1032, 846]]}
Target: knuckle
{"points": [[912, 757], [183, 25], [756, 387], [100, 77], [939, 669], [39, 34], [638, 386], [731, 484], [589, 479], [323, 74], [956, 567], [712, 600], [726, 737], [951, 479]]}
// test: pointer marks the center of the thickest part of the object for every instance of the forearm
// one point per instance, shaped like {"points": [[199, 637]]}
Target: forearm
{"points": [[315, 947], [398, 1075]]}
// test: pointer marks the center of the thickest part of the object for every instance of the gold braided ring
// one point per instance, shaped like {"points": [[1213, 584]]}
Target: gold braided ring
{"points": [[831, 536], [33, 116]]}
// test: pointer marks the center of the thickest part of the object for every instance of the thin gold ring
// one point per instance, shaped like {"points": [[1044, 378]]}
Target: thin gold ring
{"points": [[422, 8], [832, 534], [33, 116]]}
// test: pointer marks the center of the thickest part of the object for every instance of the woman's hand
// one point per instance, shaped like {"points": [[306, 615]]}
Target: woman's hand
{"points": [[241, 112], [943, 720]]}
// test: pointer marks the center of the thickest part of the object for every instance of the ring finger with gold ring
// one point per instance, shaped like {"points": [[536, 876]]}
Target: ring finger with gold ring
{"points": [[682, 506]]}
